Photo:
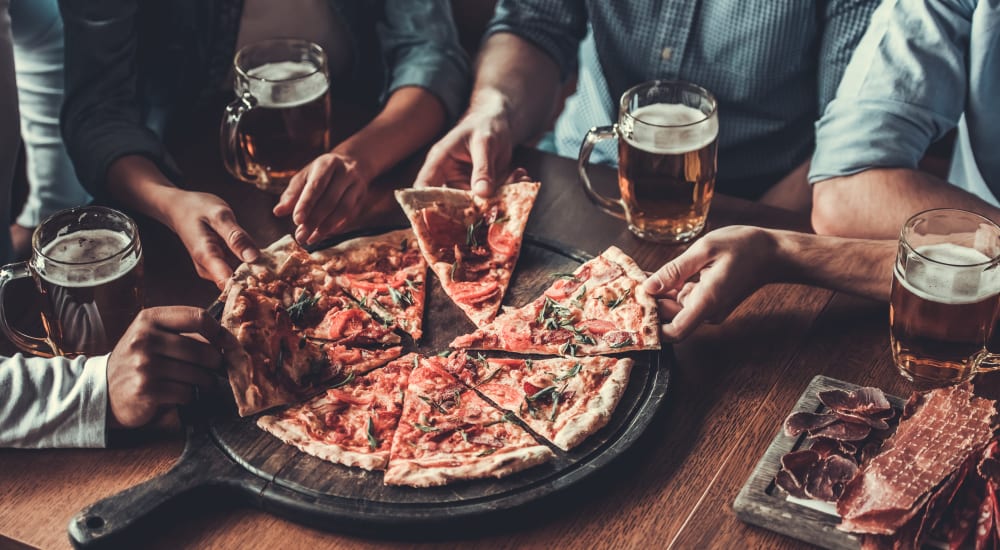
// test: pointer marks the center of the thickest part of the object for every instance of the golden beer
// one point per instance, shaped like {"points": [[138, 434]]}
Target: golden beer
{"points": [[667, 135], [667, 183], [280, 121], [945, 299]]}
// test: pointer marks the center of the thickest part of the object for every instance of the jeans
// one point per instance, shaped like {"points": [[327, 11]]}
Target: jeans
{"points": [[37, 31]]}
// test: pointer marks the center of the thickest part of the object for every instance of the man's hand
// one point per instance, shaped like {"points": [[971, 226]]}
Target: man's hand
{"points": [[207, 227], [472, 155], [324, 195], [164, 355], [712, 277]]}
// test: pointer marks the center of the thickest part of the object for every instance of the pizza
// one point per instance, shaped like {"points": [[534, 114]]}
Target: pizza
{"points": [[352, 422], [385, 274], [597, 309], [447, 433], [564, 400], [471, 243]]}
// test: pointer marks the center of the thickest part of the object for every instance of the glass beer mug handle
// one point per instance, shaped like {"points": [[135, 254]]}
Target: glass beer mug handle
{"points": [[28, 344], [232, 154], [594, 136], [987, 362]]}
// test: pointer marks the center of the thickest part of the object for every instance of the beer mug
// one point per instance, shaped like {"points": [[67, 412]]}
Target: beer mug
{"points": [[667, 137], [280, 120], [945, 297], [87, 264]]}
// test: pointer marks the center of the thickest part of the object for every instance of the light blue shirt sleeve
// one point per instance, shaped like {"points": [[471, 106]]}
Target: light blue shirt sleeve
{"points": [[55, 402], [904, 88], [421, 48]]}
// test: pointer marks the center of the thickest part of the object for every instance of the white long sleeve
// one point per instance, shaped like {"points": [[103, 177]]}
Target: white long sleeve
{"points": [[55, 402]]}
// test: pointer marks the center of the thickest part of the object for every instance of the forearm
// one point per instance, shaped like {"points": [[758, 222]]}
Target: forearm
{"points": [[411, 118], [875, 203], [518, 81], [53, 402], [855, 266], [137, 183]]}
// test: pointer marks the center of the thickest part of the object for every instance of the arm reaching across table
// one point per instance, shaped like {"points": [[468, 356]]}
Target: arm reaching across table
{"points": [[72, 403], [724, 267]]}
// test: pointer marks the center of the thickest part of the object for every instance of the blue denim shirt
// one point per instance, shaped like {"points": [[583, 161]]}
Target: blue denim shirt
{"points": [[772, 64], [920, 66], [131, 65]]}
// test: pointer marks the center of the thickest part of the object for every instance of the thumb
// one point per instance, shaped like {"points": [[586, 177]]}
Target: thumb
{"points": [[676, 272], [483, 180]]}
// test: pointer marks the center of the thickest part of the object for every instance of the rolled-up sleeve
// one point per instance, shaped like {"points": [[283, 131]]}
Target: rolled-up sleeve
{"points": [[421, 48], [101, 118], [53, 402], [555, 26], [904, 88]]}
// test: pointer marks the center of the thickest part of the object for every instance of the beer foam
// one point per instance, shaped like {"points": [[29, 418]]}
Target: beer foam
{"points": [[80, 256], [274, 90], [676, 140], [951, 284]]}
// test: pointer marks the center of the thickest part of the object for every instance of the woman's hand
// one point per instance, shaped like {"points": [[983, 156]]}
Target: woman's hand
{"points": [[324, 196]]}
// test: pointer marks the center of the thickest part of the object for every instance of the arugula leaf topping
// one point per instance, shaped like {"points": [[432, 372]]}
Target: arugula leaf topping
{"points": [[412, 284], [627, 342], [444, 353], [470, 238], [502, 219], [347, 380], [541, 394], [569, 348], [567, 276], [433, 404], [425, 429], [555, 405], [370, 432], [570, 373], [612, 304], [297, 311], [578, 301], [402, 245], [490, 376], [454, 267], [487, 452], [401, 299]]}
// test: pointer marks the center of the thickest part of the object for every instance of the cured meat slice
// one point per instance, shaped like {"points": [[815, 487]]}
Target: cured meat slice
{"points": [[862, 401], [843, 431], [828, 476], [945, 428], [794, 471], [800, 422]]}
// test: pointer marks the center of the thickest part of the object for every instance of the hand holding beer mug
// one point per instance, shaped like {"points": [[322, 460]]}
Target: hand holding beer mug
{"points": [[945, 297], [667, 138], [87, 264], [280, 120]]}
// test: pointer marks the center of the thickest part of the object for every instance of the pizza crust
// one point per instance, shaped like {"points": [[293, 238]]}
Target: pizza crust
{"points": [[428, 472], [599, 408], [294, 435], [649, 327], [241, 367]]}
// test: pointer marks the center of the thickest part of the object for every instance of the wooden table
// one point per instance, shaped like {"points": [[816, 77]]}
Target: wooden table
{"points": [[734, 385]]}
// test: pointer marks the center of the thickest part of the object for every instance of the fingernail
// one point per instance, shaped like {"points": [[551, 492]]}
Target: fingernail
{"points": [[313, 238], [652, 286], [481, 186], [249, 255], [300, 234]]}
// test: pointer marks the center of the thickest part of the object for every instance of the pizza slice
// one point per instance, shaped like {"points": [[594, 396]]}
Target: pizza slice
{"points": [[277, 365], [597, 309], [352, 423], [471, 243], [449, 433], [564, 400], [385, 273]]}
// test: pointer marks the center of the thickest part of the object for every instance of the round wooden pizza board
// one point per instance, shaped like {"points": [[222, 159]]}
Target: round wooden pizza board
{"points": [[228, 453]]}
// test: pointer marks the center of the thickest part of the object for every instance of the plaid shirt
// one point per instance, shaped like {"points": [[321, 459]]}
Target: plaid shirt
{"points": [[773, 65]]}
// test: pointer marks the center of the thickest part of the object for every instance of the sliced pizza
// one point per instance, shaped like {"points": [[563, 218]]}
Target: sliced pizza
{"points": [[471, 243], [278, 365], [564, 400], [597, 309], [385, 273], [352, 422], [449, 433]]}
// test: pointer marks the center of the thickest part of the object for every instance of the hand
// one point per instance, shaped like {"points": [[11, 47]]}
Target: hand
{"points": [[471, 155], [155, 364], [207, 227], [324, 195], [731, 263]]}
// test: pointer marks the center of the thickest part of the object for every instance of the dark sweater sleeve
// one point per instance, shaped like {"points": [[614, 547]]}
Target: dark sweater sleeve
{"points": [[101, 117]]}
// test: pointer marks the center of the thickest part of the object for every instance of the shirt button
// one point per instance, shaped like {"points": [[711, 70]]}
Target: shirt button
{"points": [[667, 53]]}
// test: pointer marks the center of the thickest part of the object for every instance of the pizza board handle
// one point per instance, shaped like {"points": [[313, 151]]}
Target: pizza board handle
{"points": [[201, 465]]}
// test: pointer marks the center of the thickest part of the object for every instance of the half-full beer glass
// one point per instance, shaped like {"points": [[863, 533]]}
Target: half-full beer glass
{"points": [[87, 264], [667, 138], [944, 301], [280, 120]]}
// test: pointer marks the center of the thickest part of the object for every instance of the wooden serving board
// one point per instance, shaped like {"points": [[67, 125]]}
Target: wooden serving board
{"points": [[760, 502], [227, 453]]}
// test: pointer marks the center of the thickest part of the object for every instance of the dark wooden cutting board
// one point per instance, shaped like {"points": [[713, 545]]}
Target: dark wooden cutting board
{"points": [[227, 453]]}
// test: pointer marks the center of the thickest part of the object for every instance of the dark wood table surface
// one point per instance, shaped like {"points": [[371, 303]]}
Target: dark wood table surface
{"points": [[734, 384]]}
